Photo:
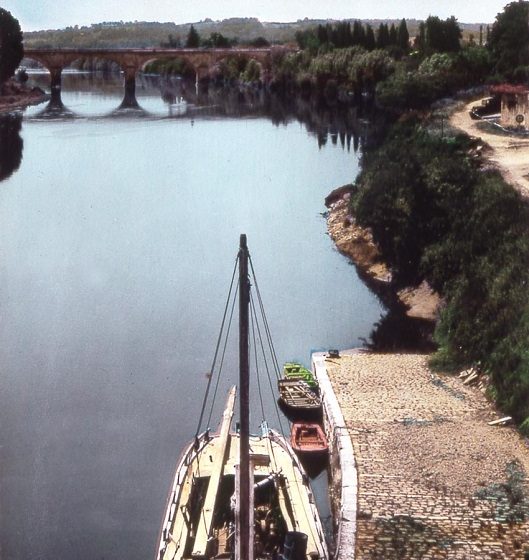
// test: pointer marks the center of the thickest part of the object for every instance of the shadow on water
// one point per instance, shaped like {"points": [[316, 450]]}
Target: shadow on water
{"points": [[335, 123], [55, 110], [396, 332], [11, 145]]}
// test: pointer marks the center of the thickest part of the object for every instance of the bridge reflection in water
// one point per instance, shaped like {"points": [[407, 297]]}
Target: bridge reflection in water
{"points": [[133, 61], [97, 95], [334, 123]]}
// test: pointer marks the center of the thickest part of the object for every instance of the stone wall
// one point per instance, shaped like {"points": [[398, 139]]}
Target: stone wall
{"points": [[515, 110], [343, 475]]}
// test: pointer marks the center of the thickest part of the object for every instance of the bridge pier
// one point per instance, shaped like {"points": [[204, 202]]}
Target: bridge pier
{"points": [[129, 99], [56, 86]]}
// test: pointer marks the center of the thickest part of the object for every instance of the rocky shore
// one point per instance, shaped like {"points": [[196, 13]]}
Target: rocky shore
{"points": [[357, 243], [14, 95]]}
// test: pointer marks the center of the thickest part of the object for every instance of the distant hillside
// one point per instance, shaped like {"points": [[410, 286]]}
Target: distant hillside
{"points": [[152, 34]]}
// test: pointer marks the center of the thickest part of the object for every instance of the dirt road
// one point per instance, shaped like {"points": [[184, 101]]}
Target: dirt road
{"points": [[510, 155]]}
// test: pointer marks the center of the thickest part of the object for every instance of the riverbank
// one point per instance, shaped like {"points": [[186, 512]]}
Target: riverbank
{"points": [[357, 244], [14, 95], [435, 480]]}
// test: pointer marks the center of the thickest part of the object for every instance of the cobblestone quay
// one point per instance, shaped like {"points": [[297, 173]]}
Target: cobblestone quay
{"points": [[435, 481]]}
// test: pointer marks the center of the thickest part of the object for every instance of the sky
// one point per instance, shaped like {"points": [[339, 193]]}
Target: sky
{"points": [[55, 14]]}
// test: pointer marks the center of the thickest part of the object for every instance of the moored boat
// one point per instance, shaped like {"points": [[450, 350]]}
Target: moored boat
{"points": [[308, 439], [239, 496], [298, 397], [295, 371]]}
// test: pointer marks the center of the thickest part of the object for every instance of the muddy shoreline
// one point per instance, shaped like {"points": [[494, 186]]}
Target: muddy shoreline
{"points": [[356, 243], [14, 95]]}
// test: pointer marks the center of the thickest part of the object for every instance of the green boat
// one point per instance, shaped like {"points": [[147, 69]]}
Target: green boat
{"points": [[294, 371]]}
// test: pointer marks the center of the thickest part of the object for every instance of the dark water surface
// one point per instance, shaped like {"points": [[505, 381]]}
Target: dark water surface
{"points": [[118, 236]]}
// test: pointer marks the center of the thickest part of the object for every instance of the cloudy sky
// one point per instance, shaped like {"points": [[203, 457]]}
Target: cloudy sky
{"points": [[55, 14]]}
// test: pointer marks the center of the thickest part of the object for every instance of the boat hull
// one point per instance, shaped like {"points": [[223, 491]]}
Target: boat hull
{"points": [[270, 455], [308, 439], [297, 396]]}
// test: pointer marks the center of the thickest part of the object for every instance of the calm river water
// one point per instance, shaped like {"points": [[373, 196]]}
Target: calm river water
{"points": [[118, 234]]}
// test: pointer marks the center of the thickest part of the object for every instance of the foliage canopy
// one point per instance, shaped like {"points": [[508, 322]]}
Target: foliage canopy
{"points": [[509, 40], [193, 38], [11, 48], [437, 216]]}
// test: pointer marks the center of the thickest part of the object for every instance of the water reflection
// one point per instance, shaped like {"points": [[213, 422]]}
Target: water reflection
{"points": [[11, 145], [55, 109], [173, 97], [396, 332]]}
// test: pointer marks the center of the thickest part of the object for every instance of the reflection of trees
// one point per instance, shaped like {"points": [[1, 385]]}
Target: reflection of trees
{"points": [[339, 123], [11, 145], [396, 332]]}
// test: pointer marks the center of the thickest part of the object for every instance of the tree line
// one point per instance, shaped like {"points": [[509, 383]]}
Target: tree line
{"points": [[344, 34], [216, 40]]}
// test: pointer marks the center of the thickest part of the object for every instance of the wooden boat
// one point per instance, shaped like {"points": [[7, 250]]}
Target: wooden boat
{"points": [[238, 496], [293, 370], [308, 438], [297, 396]]}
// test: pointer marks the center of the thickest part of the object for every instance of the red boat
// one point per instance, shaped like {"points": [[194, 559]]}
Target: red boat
{"points": [[308, 439]]}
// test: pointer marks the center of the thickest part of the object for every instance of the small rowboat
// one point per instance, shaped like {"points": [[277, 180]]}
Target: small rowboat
{"points": [[308, 439], [298, 396], [293, 370]]}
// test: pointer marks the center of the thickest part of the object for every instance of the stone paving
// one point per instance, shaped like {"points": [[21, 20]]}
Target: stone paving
{"points": [[435, 480]]}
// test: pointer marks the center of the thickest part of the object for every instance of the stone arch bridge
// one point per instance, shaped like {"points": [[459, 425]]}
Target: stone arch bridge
{"points": [[133, 61]]}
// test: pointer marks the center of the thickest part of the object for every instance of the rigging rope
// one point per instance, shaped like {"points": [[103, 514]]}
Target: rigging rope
{"points": [[265, 322], [216, 350], [253, 318], [223, 354], [261, 337], [271, 350]]}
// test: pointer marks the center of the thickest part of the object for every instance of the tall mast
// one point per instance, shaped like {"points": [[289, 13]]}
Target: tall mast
{"points": [[244, 383]]}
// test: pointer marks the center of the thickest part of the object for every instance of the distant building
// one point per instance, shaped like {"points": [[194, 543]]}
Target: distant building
{"points": [[514, 105]]}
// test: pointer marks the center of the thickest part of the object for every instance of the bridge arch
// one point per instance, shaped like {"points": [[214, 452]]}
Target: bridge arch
{"points": [[133, 60]]}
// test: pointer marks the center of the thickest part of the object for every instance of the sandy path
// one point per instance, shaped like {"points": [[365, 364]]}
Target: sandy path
{"points": [[509, 155]]}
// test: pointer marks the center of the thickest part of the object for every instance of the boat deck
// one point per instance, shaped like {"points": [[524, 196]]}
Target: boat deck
{"points": [[268, 455]]}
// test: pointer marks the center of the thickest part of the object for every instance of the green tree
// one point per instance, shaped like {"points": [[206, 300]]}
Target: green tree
{"points": [[439, 36], [392, 35], [358, 34], [403, 37], [370, 41], [259, 42], [474, 62], [11, 145], [452, 35], [307, 39], [11, 48], [382, 36], [193, 38], [508, 41], [217, 41], [322, 34], [420, 39]]}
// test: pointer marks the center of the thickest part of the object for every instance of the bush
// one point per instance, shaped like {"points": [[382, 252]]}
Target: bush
{"points": [[11, 49], [435, 215]]}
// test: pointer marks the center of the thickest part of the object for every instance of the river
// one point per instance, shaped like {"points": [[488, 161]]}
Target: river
{"points": [[118, 234]]}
